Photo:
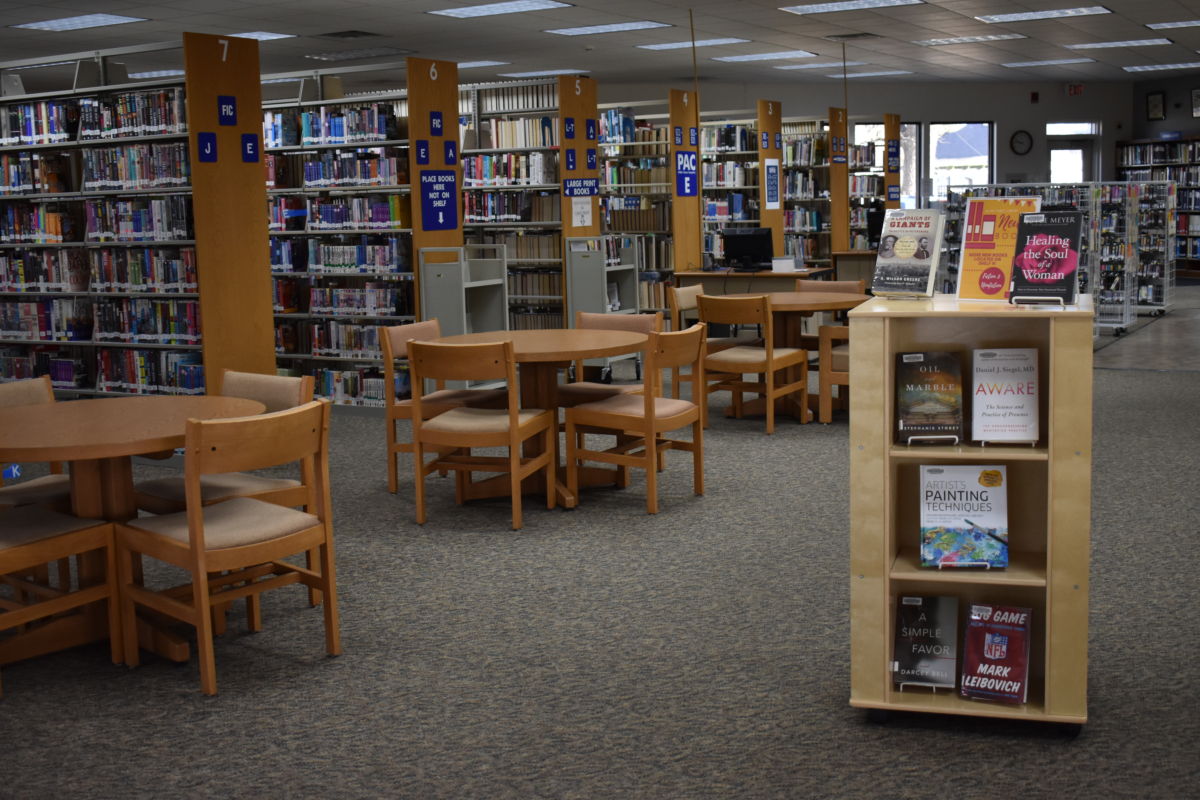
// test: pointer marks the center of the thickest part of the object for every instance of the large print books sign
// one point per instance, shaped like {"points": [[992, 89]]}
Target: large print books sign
{"points": [[909, 246], [926, 642], [964, 516], [996, 654], [1046, 261], [928, 398], [989, 242]]}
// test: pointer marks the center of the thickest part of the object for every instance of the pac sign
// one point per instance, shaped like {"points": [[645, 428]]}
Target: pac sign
{"points": [[250, 148], [226, 109], [591, 130], [206, 145], [570, 160], [569, 128], [435, 123], [422, 151], [686, 184]]}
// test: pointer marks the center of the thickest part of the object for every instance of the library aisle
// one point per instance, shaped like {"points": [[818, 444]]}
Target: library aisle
{"points": [[1154, 343]]}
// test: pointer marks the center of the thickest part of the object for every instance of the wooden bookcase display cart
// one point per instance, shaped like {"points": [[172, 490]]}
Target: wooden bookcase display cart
{"points": [[1049, 492]]}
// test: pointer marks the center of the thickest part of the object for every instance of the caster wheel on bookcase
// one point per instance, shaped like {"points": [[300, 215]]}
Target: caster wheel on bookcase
{"points": [[879, 716], [1069, 730]]}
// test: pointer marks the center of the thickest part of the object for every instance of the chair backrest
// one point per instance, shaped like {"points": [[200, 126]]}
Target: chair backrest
{"points": [[681, 299], [276, 392], [752, 310], [487, 361], [808, 285], [638, 323], [30, 392], [672, 350], [395, 339]]}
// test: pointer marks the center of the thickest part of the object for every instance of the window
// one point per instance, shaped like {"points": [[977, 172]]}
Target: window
{"points": [[1072, 150], [1072, 129], [910, 151], [960, 154]]}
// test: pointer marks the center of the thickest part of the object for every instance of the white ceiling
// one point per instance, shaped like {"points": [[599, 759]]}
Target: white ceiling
{"points": [[612, 58]]}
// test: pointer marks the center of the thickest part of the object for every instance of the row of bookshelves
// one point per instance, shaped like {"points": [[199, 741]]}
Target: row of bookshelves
{"points": [[122, 114], [106, 269]]}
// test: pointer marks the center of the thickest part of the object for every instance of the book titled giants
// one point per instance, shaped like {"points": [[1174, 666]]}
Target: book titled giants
{"points": [[996, 654], [910, 244], [928, 398], [964, 516], [1004, 395], [926, 642], [1046, 261]]}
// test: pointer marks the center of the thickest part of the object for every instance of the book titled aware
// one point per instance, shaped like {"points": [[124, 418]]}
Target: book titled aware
{"points": [[1046, 260], [910, 244], [1004, 395], [996, 654], [964, 516], [926, 642], [928, 398]]}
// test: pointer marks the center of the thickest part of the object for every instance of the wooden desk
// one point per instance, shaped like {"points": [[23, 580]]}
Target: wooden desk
{"points": [[99, 437], [854, 265], [539, 355], [732, 282]]}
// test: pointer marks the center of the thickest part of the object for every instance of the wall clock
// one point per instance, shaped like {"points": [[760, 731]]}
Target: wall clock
{"points": [[1021, 142]]}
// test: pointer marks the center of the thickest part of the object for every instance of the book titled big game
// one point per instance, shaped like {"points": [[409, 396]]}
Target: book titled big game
{"points": [[1046, 263], [996, 654], [926, 642], [910, 244], [964, 516], [928, 398]]}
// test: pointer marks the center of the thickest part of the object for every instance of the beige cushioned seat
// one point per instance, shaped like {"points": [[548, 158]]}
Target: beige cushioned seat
{"points": [[475, 398], [478, 420], [45, 489], [214, 487], [634, 405], [234, 523], [20, 526], [748, 355], [841, 358]]}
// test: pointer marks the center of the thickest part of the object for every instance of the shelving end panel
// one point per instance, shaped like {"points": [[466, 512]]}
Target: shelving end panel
{"points": [[686, 204], [770, 171]]}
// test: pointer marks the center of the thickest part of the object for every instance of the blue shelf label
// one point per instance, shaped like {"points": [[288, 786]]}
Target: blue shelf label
{"points": [[206, 146], [451, 152], [779, 141], [439, 200], [893, 155], [693, 137], [435, 123], [569, 127], [226, 109], [591, 158], [678, 135], [591, 130], [250, 148], [893, 192], [766, 140], [422, 151], [11, 472], [686, 184], [570, 159], [581, 187], [772, 183]]}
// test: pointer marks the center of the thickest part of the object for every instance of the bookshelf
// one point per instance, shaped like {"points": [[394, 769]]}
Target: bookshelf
{"points": [[1153, 160], [1049, 499], [130, 222], [807, 220]]}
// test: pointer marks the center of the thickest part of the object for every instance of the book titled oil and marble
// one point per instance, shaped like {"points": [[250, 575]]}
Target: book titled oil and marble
{"points": [[964, 515], [1004, 395]]}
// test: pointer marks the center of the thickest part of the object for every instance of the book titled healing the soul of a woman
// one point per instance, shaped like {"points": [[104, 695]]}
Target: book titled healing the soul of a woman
{"points": [[1046, 260]]}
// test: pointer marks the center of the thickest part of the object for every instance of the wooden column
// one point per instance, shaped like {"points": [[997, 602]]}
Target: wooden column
{"points": [[839, 182], [770, 171], [578, 160], [229, 204], [891, 161], [686, 202]]}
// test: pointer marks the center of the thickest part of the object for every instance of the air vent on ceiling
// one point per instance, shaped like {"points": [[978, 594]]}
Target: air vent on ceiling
{"points": [[347, 35], [851, 37]]}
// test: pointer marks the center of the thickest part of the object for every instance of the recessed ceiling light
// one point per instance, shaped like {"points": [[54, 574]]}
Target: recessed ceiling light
{"points": [[824, 65], [1162, 26], [78, 23], [263, 36], [281, 80], [158, 73], [616, 27], [543, 73], [847, 5], [365, 52], [473, 64], [700, 43], [47, 64], [1026, 16], [870, 74], [1157, 67], [1128, 43], [994, 37], [1053, 62], [768, 56], [490, 9]]}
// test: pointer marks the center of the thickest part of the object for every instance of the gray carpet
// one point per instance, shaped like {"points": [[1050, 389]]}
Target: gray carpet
{"points": [[602, 653]]}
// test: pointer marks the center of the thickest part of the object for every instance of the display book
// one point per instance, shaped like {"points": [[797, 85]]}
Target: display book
{"points": [[989, 245], [1046, 260], [910, 245]]}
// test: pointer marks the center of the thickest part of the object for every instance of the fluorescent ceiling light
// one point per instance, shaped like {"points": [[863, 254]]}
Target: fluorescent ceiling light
{"points": [[48, 64], [263, 36], [158, 73], [78, 23], [993, 37], [616, 27], [473, 64], [701, 43], [1026, 16], [490, 9], [847, 5], [1128, 43], [1162, 26], [825, 65], [1050, 63], [351, 55], [1157, 67], [543, 73], [768, 56], [869, 74], [280, 80]]}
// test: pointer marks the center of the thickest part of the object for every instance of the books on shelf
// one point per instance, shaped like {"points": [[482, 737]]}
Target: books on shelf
{"points": [[964, 516], [1046, 261], [910, 244], [926, 645], [989, 244], [1004, 395], [928, 397], [996, 653]]}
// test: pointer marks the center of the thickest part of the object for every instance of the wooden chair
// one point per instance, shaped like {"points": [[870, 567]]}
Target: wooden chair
{"points": [[277, 392], [833, 359], [453, 433], [53, 489], [681, 302], [726, 368], [32, 536], [395, 339], [243, 538], [583, 391], [639, 422]]}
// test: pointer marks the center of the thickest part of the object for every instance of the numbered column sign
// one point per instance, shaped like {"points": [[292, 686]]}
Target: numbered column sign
{"points": [[686, 184], [439, 200], [893, 155]]}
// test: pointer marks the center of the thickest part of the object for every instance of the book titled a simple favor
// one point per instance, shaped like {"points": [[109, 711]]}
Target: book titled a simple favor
{"points": [[964, 516], [910, 244], [926, 651], [1004, 395], [996, 654], [1046, 261], [928, 398]]}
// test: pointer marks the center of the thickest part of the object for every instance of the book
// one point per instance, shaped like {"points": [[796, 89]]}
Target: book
{"points": [[989, 244], [964, 515], [926, 651], [1046, 261], [928, 397], [910, 244], [1004, 395], [996, 653]]}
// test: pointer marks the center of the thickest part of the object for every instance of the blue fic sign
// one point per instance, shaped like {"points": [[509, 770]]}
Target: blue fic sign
{"points": [[439, 200], [581, 187], [893, 193], [893, 155], [206, 146], [591, 130], [591, 158], [250, 148], [422, 151], [569, 127], [435, 123], [678, 135], [570, 159], [773, 184], [226, 109], [451, 152], [686, 184]]}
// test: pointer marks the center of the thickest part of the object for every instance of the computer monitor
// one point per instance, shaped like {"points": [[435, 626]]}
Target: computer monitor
{"points": [[874, 226], [749, 249]]}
